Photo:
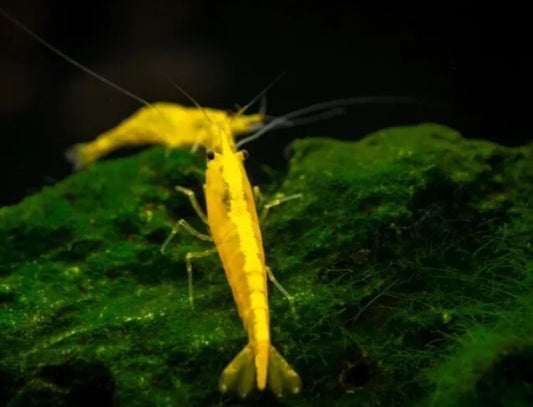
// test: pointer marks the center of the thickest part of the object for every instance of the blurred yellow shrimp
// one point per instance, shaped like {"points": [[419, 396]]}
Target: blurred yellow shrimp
{"points": [[161, 123], [171, 125]]}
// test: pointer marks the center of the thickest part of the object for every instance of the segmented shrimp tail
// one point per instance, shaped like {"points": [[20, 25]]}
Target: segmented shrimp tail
{"points": [[282, 378], [240, 374], [81, 155]]}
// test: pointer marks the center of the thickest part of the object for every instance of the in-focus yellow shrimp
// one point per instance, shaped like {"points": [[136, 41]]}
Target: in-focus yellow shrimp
{"points": [[234, 226], [235, 229], [162, 123]]}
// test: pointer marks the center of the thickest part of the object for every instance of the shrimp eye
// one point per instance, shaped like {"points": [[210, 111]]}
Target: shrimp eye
{"points": [[245, 154], [210, 155]]}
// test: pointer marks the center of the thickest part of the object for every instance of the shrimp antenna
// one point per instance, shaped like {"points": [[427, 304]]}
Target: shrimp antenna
{"points": [[328, 114], [260, 95], [263, 105], [178, 87], [188, 96], [88, 71], [284, 120]]}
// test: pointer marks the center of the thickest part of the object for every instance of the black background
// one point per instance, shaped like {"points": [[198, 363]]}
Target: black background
{"points": [[467, 62]]}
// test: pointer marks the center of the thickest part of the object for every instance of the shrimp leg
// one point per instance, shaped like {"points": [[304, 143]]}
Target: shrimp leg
{"points": [[188, 228], [277, 283], [188, 257], [274, 203], [194, 202], [183, 223], [264, 212]]}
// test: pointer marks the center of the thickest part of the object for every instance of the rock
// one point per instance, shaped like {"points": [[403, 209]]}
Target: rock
{"points": [[409, 259]]}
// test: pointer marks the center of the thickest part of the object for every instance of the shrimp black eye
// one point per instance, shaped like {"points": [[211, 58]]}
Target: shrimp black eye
{"points": [[245, 154], [210, 155]]}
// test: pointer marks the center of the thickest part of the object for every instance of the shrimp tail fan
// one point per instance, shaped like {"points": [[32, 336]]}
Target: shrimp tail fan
{"points": [[240, 375]]}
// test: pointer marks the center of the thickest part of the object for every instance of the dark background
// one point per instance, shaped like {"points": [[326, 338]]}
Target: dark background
{"points": [[467, 63]]}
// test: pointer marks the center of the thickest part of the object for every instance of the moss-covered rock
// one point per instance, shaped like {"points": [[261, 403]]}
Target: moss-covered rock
{"points": [[409, 258]]}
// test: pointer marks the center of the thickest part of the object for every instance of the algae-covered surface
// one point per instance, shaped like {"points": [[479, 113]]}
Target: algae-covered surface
{"points": [[409, 258]]}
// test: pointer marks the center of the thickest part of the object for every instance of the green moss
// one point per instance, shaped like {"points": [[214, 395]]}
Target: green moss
{"points": [[409, 259]]}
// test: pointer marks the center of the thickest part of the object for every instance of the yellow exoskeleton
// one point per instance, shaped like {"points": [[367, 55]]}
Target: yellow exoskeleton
{"points": [[234, 227]]}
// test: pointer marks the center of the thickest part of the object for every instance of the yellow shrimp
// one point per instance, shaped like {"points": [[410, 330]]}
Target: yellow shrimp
{"points": [[162, 123], [235, 229], [234, 226]]}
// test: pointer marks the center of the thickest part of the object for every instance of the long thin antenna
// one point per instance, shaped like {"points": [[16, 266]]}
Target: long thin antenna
{"points": [[328, 114], [88, 71], [260, 94], [282, 120], [188, 96], [263, 105]]}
